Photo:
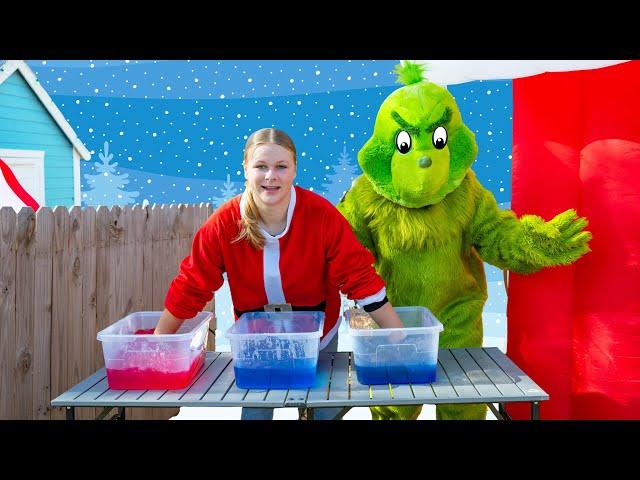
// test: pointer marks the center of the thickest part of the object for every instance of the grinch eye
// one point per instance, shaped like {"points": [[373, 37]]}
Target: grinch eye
{"points": [[440, 138], [403, 142]]}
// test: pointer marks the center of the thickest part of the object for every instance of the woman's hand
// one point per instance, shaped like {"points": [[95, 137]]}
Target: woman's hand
{"points": [[386, 317], [167, 323]]}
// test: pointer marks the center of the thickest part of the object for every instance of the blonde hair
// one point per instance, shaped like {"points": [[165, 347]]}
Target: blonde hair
{"points": [[249, 227]]}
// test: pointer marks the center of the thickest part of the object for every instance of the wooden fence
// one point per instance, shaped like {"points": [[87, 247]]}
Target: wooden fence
{"points": [[67, 274]]}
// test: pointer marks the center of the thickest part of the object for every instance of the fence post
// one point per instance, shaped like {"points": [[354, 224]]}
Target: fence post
{"points": [[8, 232], [73, 264], [25, 283], [60, 327], [45, 224], [90, 346]]}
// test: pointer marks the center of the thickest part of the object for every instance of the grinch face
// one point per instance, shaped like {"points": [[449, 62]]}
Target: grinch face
{"points": [[420, 149], [420, 164]]}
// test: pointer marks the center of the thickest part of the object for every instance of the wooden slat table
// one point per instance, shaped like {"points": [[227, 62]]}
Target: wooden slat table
{"points": [[464, 375]]}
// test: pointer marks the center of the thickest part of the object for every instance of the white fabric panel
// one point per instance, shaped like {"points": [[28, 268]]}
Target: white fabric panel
{"points": [[450, 72], [376, 297]]}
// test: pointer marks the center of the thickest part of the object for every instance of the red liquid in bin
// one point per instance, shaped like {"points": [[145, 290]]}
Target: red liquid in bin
{"points": [[148, 331], [151, 379]]}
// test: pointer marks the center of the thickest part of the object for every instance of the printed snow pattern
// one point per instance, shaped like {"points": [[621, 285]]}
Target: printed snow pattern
{"points": [[228, 191], [106, 186], [338, 182], [178, 128]]}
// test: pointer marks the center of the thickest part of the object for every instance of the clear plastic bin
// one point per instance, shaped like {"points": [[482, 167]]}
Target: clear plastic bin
{"points": [[380, 359], [276, 350], [135, 359]]}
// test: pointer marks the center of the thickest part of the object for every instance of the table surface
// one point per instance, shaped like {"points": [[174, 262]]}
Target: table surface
{"points": [[464, 375]]}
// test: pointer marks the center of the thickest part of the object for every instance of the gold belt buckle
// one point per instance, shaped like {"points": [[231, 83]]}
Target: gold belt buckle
{"points": [[278, 307]]}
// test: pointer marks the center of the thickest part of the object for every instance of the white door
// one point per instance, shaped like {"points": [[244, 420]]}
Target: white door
{"points": [[28, 167]]}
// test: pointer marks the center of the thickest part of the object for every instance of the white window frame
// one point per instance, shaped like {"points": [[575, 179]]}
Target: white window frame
{"points": [[28, 157]]}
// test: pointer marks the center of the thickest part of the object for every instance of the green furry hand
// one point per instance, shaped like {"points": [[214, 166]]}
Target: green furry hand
{"points": [[560, 241]]}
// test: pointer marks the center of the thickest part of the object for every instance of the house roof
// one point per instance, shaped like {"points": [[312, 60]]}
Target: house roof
{"points": [[9, 67]]}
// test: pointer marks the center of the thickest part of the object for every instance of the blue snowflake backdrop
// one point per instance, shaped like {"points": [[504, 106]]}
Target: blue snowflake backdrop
{"points": [[174, 131]]}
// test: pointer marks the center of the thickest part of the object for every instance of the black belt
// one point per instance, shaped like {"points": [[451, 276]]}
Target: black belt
{"points": [[315, 308]]}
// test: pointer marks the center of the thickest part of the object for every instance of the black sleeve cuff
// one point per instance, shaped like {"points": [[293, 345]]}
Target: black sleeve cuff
{"points": [[372, 307]]}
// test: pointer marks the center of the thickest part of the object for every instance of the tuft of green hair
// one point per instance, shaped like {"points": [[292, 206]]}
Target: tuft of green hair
{"points": [[409, 72]]}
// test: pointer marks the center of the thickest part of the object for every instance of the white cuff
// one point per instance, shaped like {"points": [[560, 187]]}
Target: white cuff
{"points": [[376, 297]]}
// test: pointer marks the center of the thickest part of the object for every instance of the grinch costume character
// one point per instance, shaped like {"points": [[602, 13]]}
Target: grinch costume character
{"points": [[430, 224]]}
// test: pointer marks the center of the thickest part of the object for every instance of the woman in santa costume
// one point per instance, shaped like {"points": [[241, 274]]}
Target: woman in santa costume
{"points": [[278, 244]]}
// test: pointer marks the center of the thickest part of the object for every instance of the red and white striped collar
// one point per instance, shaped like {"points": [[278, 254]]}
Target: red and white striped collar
{"points": [[290, 209]]}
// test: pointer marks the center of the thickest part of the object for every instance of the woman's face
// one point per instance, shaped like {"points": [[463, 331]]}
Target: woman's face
{"points": [[270, 171]]}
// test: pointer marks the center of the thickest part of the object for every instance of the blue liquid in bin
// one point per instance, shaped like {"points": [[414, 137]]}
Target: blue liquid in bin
{"points": [[272, 375], [402, 374], [276, 350], [381, 360], [274, 364]]}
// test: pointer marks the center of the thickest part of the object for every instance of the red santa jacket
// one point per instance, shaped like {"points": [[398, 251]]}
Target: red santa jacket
{"points": [[316, 256]]}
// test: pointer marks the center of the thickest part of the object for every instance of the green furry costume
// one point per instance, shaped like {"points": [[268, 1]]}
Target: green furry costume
{"points": [[430, 224]]}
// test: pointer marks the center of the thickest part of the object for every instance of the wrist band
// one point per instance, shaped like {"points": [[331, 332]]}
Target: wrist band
{"points": [[375, 305]]}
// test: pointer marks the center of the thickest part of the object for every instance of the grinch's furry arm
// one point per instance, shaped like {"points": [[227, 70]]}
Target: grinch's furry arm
{"points": [[527, 244], [348, 206]]}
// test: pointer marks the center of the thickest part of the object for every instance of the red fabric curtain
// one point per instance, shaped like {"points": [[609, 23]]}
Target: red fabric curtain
{"points": [[576, 330]]}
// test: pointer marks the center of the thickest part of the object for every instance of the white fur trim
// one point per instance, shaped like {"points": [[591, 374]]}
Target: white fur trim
{"points": [[376, 297], [271, 266], [271, 254]]}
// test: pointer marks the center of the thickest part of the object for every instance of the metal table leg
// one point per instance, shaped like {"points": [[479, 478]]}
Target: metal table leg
{"points": [[308, 413], [341, 413], [71, 413], [535, 410], [105, 411], [501, 413], [119, 415]]}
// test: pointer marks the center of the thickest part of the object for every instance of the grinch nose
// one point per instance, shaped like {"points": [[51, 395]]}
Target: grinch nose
{"points": [[424, 162]]}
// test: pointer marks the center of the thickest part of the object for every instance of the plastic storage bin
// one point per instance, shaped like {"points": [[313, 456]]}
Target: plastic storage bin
{"points": [[379, 359], [135, 359], [276, 350]]}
